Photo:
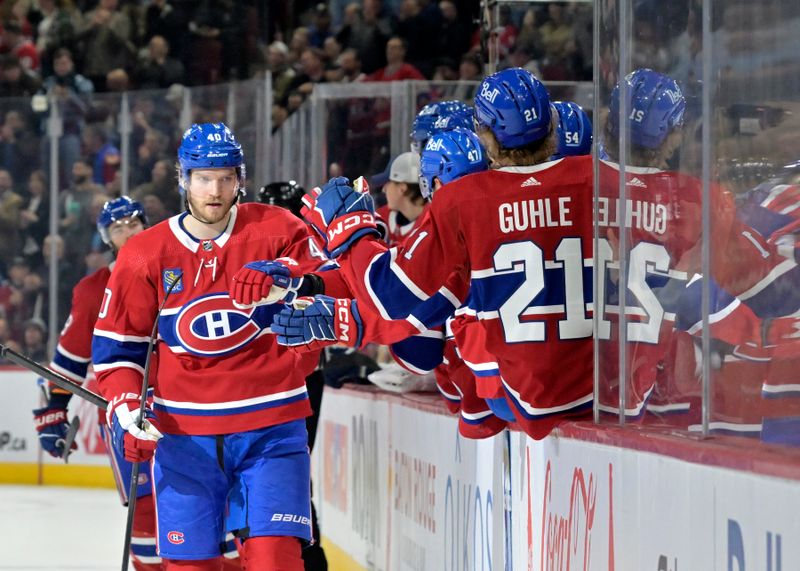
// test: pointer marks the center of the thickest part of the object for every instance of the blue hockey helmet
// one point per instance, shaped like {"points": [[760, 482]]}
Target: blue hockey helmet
{"points": [[655, 107], [117, 209], [515, 106], [449, 155], [210, 146], [574, 130], [436, 117]]}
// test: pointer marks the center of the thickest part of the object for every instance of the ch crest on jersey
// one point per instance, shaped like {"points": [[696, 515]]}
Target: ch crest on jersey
{"points": [[212, 326]]}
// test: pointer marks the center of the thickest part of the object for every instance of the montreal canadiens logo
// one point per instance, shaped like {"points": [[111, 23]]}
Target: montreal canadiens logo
{"points": [[175, 537], [211, 325]]}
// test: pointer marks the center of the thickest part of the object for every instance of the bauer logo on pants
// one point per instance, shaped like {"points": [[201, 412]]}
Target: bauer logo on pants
{"points": [[175, 537]]}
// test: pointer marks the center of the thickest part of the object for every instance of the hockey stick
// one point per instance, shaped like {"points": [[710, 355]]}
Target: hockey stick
{"points": [[57, 379], [70, 437], [140, 423]]}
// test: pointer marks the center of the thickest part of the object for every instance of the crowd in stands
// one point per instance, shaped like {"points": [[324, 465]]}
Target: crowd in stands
{"points": [[81, 54]]}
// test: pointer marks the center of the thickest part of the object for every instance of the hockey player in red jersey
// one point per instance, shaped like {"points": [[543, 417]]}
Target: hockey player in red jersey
{"points": [[520, 235], [119, 220], [663, 230], [229, 403]]}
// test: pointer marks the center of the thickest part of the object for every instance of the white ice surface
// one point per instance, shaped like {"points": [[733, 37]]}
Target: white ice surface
{"points": [[58, 528]]}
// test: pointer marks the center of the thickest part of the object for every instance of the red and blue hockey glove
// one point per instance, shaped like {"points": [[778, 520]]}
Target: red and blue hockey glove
{"points": [[52, 425], [319, 321], [264, 282], [136, 444], [341, 213]]}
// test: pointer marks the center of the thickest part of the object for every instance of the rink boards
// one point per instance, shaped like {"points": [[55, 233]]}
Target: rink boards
{"points": [[397, 488], [402, 491], [21, 459]]}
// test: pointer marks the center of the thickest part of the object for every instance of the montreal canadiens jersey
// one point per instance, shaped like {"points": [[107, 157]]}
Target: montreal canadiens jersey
{"points": [[522, 238], [664, 239], [219, 368], [74, 350]]}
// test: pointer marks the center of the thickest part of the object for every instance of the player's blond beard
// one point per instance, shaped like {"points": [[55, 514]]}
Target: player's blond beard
{"points": [[194, 211]]}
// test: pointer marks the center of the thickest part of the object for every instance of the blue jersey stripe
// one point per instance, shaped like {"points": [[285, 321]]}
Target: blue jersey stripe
{"points": [[229, 411], [77, 368], [423, 353], [107, 351]]}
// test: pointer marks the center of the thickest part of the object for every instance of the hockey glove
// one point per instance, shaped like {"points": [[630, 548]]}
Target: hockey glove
{"points": [[52, 425], [341, 213], [134, 443], [264, 282], [315, 322]]}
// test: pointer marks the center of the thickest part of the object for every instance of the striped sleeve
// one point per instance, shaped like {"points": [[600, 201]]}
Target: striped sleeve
{"points": [[122, 333]]}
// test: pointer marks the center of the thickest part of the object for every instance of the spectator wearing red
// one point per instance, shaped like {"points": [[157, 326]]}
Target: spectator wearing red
{"points": [[396, 67], [21, 46]]}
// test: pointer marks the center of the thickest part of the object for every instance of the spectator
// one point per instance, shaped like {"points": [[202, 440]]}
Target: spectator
{"points": [[530, 36], [34, 218], [152, 149], [104, 156], [15, 80], [396, 68], [370, 34], [70, 89], [454, 36], [470, 68], [351, 19], [420, 32], [21, 46], [282, 72], [105, 38], [320, 29], [77, 224], [11, 294], [6, 339], [34, 298], [506, 31], [10, 206], [19, 148], [350, 64], [67, 270], [56, 26], [64, 75], [162, 185], [34, 340], [236, 30], [332, 50], [154, 209], [157, 70], [312, 70], [299, 43], [520, 57], [558, 40], [117, 81], [204, 56], [164, 20]]}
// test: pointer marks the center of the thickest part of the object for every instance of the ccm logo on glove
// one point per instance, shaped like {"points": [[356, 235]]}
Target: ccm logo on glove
{"points": [[343, 316], [345, 223]]}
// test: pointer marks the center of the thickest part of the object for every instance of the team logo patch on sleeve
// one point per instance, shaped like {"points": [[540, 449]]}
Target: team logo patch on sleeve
{"points": [[169, 275]]}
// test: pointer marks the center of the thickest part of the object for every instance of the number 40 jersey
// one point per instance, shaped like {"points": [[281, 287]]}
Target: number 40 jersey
{"points": [[522, 238]]}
